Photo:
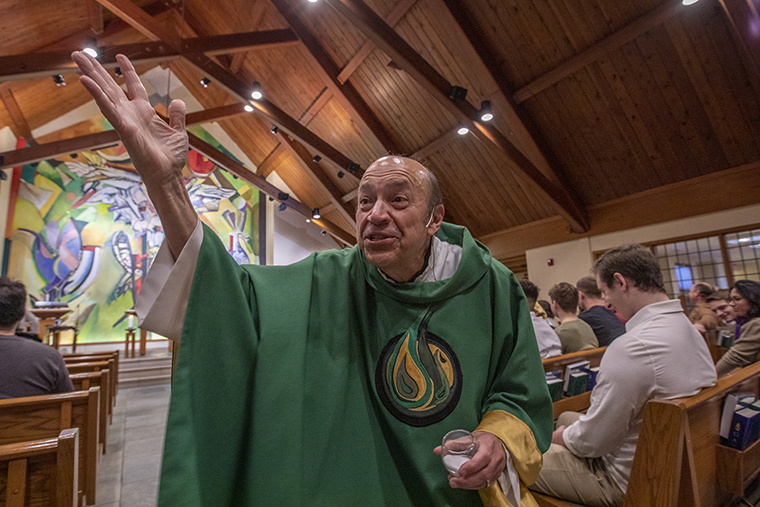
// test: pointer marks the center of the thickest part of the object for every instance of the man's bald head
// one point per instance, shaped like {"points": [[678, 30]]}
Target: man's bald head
{"points": [[424, 176]]}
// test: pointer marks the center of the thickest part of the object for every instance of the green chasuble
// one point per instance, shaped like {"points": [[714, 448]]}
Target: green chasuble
{"points": [[323, 384]]}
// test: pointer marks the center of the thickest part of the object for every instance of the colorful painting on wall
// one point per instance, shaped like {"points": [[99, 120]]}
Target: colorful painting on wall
{"points": [[84, 231]]}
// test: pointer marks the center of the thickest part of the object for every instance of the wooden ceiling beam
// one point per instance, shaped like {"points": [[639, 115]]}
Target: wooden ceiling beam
{"points": [[101, 140], [348, 97], [436, 144], [266, 166], [95, 13], [234, 86], [238, 169], [29, 65], [641, 25], [258, 11], [239, 42], [143, 22], [744, 22], [17, 116], [521, 125], [421, 71], [396, 15], [306, 161]]}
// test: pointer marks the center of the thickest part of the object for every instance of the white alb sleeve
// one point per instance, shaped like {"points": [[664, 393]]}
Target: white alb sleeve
{"points": [[163, 298]]}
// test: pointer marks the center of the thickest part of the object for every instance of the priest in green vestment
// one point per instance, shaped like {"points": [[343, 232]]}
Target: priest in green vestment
{"points": [[331, 381]]}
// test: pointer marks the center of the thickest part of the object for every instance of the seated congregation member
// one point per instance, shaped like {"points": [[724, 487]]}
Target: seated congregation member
{"points": [[574, 334], [702, 316], [602, 320], [661, 355], [548, 341], [543, 309], [27, 368], [745, 302], [330, 381], [720, 303]]}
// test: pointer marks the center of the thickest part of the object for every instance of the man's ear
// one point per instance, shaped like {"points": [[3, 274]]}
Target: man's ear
{"points": [[436, 219], [621, 281]]}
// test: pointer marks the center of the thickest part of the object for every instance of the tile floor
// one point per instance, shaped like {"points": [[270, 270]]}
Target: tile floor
{"points": [[128, 473]]}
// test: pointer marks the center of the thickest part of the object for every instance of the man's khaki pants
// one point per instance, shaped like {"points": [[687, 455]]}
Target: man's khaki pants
{"points": [[581, 480]]}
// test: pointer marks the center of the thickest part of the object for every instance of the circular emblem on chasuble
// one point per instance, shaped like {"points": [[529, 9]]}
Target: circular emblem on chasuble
{"points": [[418, 378]]}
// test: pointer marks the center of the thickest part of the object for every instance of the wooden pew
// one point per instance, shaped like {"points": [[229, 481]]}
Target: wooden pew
{"points": [[679, 460], [40, 417], [41, 472], [575, 403], [83, 382], [95, 366], [96, 357]]}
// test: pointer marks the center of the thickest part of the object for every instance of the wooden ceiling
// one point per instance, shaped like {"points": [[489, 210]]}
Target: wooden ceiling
{"points": [[594, 101]]}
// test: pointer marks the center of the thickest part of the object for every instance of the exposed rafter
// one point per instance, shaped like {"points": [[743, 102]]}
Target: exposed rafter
{"points": [[328, 71], [658, 15], [262, 184], [421, 71], [110, 137], [258, 11], [436, 144], [142, 21], [17, 117], [95, 13], [233, 85], [15, 67], [266, 166], [307, 163], [521, 126]]}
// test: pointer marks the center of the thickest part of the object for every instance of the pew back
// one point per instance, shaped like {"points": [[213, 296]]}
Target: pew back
{"points": [[41, 417], [96, 357], [101, 379], [40, 473]]}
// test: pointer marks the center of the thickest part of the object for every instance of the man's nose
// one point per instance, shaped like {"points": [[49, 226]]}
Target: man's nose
{"points": [[379, 212]]}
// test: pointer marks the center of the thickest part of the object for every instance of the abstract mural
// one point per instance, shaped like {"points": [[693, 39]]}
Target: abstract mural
{"points": [[84, 231]]}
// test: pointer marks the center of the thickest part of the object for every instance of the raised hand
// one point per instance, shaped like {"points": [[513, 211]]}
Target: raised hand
{"points": [[158, 150]]}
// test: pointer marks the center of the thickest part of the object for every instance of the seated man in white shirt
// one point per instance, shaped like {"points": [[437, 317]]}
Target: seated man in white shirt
{"points": [[661, 355], [548, 341]]}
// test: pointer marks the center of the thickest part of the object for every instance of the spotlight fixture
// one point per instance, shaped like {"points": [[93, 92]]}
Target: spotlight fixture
{"points": [[308, 220], [59, 81], [341, 174], [486, 114], [248, 108], [313, 1], [316, 159], [283, 206], [274, 129], [90, 51], [283, 196], [271, 198], [256, 91], [689, 2], [324, 232], [353, 167], [117, 72], [462, 130], [457, 93], [315, 214], [205, 82]]}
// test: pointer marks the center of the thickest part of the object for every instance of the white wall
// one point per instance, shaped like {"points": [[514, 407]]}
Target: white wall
{"points": [[573, 259]]}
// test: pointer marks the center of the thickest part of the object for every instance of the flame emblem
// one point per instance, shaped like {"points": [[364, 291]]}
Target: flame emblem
{"points": [[418, 376]]}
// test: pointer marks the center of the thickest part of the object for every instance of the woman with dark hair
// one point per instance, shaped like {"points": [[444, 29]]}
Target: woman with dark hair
{"points": [[745, 300]]}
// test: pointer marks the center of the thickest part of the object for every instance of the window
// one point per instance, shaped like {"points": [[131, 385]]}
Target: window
{"points": [[685, 262], [744, 254]]}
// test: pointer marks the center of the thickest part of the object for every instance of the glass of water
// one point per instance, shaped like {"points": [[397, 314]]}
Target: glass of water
{"points": [[457, 448]]}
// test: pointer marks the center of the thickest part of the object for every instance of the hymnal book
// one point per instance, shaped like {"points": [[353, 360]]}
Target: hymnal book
{"points": [[734, 402], [725, 339], [744, 428], [592, 374], [577, 384], [573, 368], [555, 388]]}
